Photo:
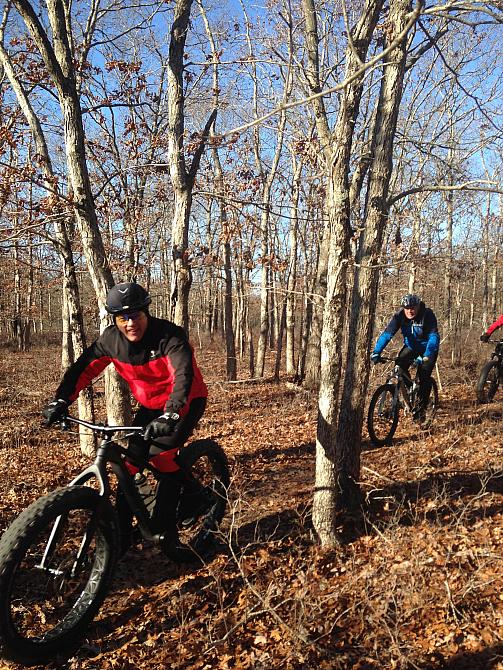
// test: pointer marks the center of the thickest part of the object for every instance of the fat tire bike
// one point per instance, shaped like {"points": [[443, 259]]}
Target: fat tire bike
{"points": [[57, 558], [400, 392], [491, 375]]}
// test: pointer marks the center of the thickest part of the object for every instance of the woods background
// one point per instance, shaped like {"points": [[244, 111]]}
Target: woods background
{"points": [[277, 176]]}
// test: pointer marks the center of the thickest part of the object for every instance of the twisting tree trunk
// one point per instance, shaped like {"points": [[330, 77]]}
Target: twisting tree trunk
{"points": [[366, 278], [328, 468], [313, 353]]}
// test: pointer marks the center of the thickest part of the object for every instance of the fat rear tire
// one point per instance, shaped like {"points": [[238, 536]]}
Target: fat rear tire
{"points": [[488, 382], [206, 461], [431, 408]]}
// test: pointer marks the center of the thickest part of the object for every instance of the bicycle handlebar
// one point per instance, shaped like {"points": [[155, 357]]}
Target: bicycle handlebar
{"points": [[386, 359], [101, 428]]}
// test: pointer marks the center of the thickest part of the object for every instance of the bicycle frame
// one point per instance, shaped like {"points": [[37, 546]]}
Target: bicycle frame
{"points": [[405, 386], [109, 452]]}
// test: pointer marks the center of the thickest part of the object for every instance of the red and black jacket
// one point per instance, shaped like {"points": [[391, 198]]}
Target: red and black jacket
{"points": [[494, 326], [161, 369]]}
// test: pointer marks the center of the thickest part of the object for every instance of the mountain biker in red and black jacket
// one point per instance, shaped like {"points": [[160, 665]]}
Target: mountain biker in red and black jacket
{"points": [[157, 361], [421, 340], [494, 326]]}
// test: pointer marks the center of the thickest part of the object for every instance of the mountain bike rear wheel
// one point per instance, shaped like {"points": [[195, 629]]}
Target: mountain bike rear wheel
{"points": [[56, 564], [198, 518], [488, 382], [429, 412], [382, 418]]}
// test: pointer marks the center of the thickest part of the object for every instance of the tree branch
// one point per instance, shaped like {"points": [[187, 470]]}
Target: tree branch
{"points": [[199, 151], [339, 87], [465, 186]]}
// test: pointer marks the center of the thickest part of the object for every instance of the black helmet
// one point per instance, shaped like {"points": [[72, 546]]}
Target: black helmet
{"points": [[126, 297], [410, 300]]}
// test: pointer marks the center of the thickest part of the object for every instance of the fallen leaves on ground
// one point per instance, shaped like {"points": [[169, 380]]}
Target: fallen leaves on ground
{"points": [[419, 586]]}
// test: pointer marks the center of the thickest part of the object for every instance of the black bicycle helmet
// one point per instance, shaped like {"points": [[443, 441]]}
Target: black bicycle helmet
{"points": [[410, 300], [127, 297]]}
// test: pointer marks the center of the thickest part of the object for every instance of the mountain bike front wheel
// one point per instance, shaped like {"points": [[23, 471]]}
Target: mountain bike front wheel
{"points": [[56, 565], [488, 382], [382, 418]]}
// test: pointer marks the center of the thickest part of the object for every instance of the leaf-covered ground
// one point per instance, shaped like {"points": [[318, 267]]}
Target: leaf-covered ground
{"points": [[416, 584]]}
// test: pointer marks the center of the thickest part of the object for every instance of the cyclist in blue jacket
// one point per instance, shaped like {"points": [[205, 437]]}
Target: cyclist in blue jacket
{"points": [[421, 341]]}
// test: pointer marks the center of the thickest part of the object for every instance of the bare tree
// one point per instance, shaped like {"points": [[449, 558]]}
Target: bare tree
{"points": [[330, 467], [182, 177], [59, 60], [225, 234]]}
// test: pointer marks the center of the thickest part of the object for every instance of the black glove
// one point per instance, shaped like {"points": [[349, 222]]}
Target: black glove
{"points": [[484, 337], [375, 358], [163, 426], [55, 411]]}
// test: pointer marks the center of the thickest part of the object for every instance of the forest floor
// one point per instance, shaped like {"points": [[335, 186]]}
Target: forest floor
{"points": [[419, 585]]}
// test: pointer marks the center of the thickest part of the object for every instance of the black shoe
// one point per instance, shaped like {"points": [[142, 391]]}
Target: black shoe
{"points": [[176, 550], [192, 506], [419, 411]]}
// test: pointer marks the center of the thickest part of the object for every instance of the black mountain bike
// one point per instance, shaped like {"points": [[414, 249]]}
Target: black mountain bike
{"points": [[491, 375], [57, 558], [400, 392]]}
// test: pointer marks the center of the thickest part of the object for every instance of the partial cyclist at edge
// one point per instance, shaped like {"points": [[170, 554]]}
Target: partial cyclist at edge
{"points": [[421, 342], [490, 330], [157, 361]]}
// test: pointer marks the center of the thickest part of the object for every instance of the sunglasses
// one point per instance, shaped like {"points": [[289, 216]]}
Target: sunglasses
{"points": [[127, 316]]}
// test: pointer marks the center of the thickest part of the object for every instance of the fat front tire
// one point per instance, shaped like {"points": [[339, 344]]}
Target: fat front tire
{"points": [[207, 463], [382, 418], [488, 382], [48, 598]]}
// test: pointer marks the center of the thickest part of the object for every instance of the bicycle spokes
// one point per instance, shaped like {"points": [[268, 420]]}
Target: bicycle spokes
{"points": [[383, 414], [50, 589]]}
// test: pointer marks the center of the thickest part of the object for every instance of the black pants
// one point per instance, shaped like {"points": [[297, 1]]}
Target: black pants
{"points": [[405, 358], [170, 483]]}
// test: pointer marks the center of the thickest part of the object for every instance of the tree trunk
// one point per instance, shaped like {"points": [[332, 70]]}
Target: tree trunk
{"points": [[366, 278], [330, 483], [60, 64], [182, 178], [181, 272], [292, 271], [313, 354]]}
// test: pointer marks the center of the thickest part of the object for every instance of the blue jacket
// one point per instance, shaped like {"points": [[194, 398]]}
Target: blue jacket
{"points": [[419, 334]]}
